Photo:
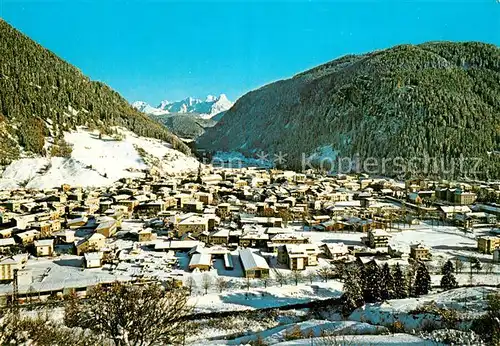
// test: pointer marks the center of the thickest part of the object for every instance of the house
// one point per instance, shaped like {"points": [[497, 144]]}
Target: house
{"points": [[193, 206], [77, 222], [335, 251], [93, 259], [150, 208], [176, 245], [378, 238], [201, 261], [487, 244], [449, 212], [419, 252], [298, 256], [11, 263], [464, 198], [65, 237], [289, 238], [262, 221], [253, 238], [44, 247], [44, 227], [194, 224], [27, 237], [204, 197], [219, 237], [6, 243], [107, 227], [92, 243], [6, 232], [254, 265], [145, 235]]}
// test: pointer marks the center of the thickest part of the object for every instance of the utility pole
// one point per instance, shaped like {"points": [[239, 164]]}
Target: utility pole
{"points": [[15, 293]]}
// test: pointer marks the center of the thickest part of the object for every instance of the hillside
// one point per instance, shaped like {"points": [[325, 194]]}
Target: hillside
{"points": [[43, 96], [189, 126], [436, 99], [97, 160]]}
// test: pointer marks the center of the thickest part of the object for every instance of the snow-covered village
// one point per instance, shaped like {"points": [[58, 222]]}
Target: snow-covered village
{"points": [[265, 256], [251, 173]]}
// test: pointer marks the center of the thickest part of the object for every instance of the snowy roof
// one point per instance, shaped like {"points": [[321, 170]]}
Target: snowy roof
{"points": [[92, 256], [201, 259], [221, 233], [337, 248], [194, 219], [455, 209], [44, 242], [177, 244], [7, 242], [380, 232], [251, 260], [26, 234]]}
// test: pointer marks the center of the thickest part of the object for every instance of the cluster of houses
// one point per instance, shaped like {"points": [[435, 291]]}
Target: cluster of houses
{"points": [[235, 215]]}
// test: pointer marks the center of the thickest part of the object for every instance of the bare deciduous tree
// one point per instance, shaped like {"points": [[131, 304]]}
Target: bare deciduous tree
{"points": [[488, 268], [265, 281], [206, 283], [280, 277], [459, 265], [221, 283], [190, 284], [248, 283], [296, 276], [311, 276], [325, 273], [132, 315]]}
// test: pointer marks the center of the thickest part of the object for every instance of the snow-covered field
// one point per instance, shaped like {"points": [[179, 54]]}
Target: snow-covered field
{"points": [[95, 162], [379, 340], [366, 326], [275, 296], [468, 302]]}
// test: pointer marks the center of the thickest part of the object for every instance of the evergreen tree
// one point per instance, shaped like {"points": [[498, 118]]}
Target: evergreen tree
{"points": [[411, 271], [353, 293], [400, 287], [422, 280], [448, 280], [373, 283], [475, 264], [387, 282]]}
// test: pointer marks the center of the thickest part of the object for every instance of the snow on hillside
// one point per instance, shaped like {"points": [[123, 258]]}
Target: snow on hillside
{"points": [[207, 108], [96, 162], [378, 340], [258, 298], [469, 302]]}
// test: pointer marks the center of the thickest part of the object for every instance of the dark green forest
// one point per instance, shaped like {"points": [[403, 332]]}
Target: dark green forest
{"points": [[37, 90], [439, 100], [188, 126]]}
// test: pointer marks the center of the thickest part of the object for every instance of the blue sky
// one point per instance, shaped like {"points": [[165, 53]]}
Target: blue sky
{"points": [[154, 50]]}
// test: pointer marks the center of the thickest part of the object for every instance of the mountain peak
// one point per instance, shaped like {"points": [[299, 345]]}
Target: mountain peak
{"points": [[211, 106]]}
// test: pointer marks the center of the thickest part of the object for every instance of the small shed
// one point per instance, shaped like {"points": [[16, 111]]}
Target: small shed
{"points": [[254, 265], [202, 261]]}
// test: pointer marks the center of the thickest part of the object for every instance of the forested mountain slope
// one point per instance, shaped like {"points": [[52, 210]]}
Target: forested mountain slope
{"points": [[438, 99], [185, 125], [42, 95]]}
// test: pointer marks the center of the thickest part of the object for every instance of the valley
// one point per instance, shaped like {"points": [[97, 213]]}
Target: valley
{"points": [[354, 203]]}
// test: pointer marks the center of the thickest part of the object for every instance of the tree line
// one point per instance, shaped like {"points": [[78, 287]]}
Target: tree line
{"points": [[42, 95]]}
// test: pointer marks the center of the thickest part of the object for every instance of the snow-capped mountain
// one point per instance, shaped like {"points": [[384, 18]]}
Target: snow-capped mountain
{"points": [[207, 108], [146, 108]]}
